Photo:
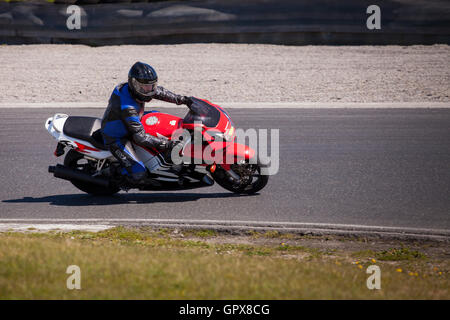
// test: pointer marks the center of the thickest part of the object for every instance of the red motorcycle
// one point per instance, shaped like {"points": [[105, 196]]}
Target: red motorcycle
{"points": [[207, 151]]}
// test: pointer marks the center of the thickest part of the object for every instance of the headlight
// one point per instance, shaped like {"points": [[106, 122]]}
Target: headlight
{"points": [[229, 134]]}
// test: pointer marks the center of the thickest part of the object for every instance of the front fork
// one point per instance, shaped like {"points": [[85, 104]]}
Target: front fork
{"points": [[232, 176]]}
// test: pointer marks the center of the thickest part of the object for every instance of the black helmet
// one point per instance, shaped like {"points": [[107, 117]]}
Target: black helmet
{"points": [[142, 81]]}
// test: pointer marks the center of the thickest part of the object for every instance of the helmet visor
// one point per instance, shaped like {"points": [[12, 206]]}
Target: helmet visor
{"points": [[146, 89]]}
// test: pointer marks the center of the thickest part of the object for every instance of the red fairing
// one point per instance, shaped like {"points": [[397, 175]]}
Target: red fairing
{"points": [[241, 151], [157, 123], [161, 124], [229, 151]]}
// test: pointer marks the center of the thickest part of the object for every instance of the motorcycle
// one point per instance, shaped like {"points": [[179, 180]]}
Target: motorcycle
{"points": [[218, 157]]}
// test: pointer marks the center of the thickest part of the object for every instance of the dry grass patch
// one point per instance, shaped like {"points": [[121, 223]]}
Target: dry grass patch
{"points": [[123, 263]]}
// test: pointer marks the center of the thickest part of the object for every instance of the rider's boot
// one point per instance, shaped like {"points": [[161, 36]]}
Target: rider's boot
{"points": [[135, 180], [124, 178], [112, 171]]}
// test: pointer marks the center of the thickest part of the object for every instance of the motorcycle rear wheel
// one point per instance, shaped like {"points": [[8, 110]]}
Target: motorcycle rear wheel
{"points": [[76, 160]]}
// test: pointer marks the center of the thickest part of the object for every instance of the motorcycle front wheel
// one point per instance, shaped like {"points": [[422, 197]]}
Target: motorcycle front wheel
{"points": [[251, 180]]}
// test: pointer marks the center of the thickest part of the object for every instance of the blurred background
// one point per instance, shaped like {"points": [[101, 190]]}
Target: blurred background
{"points": [[288, 22]]}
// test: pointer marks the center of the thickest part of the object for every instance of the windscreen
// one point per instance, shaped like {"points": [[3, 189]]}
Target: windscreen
{"points": [[204, 112]]}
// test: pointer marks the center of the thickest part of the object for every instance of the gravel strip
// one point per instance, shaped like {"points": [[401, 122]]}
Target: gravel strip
{"points": [[231, 72]]}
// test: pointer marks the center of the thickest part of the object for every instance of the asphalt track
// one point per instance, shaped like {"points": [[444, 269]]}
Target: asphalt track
{"points": [[370, 167]]}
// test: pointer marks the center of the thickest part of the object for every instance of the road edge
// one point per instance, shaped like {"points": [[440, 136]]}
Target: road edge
{"points": [[242, 105], [232, 227]]}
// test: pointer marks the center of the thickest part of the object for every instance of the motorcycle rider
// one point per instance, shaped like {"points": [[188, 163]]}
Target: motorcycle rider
{"points": [[121, 121]]}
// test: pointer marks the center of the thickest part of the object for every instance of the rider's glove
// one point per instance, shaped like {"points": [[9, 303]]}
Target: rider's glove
{"points": [[167, 149], [172, 144], [187, 100]]}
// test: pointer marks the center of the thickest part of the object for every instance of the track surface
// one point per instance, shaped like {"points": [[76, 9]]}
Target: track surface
{"points": [[359, 166]]}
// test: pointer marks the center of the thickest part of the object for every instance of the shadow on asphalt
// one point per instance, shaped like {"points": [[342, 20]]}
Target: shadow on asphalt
{"points": [[79, 200]]}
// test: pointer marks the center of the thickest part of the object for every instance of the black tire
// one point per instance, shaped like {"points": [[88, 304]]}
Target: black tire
{"points": [[72, 160], [221, 178]]}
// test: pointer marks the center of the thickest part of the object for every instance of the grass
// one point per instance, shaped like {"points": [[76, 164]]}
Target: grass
{"points": [[123, 263], [202, 233], [395, 254]]}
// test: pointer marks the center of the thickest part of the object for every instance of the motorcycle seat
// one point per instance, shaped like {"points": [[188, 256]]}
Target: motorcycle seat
{"points": [[85, 128]]}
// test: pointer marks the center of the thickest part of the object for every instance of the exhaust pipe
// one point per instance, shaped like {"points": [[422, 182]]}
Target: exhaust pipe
{"points": [[66, 173]]}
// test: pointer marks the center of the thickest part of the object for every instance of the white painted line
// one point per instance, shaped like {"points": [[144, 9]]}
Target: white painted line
{"points": [[33, 227], [244, 105], [240, 224]]}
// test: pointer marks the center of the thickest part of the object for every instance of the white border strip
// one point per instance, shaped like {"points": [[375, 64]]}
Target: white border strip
{"points": [[315, 228], [33, 227], [244, 105]]}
